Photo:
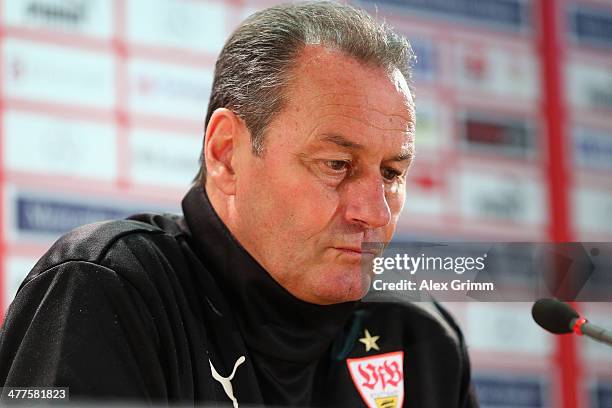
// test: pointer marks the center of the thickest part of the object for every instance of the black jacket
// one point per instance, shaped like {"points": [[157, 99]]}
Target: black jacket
{"points": [[158, 308]]}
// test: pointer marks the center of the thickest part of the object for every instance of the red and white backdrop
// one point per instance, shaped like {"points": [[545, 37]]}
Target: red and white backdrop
{"points": [[102, 106]]}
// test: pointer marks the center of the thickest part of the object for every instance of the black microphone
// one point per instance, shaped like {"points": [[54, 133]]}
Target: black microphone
{"points": [[559, 318]]}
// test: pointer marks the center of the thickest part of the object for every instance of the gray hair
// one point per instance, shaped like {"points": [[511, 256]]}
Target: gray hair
{"points": [[255, 64]]}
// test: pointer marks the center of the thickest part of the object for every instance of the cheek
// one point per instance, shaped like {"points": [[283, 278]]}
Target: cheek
{"points": [[289, 202], [310, 205]]}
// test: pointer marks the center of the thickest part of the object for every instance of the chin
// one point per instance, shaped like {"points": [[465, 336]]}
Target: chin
{"points": [[344, 287]]}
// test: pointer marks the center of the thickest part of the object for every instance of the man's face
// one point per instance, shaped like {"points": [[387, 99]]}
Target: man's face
{"points": [[331, 178]]}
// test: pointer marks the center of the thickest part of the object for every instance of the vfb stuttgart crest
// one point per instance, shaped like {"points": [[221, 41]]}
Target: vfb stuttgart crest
{"points": [[379, 379]]}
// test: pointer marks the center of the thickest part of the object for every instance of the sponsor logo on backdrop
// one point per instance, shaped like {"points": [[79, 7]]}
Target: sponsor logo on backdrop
{"points": [[54, 216], [498, 14], [166, 89], [23, 68], [507, 205], [379, 379], [485, 133], [590, 86], [593, 148], [48, 145], [197, 26], [593, 210], [601, 98], [172, 87], [180, 22], [64, 13], [510, 391], [43, 215], [504, 329], [426, 194], [475, 66], [592, 26], [163, 158], [58, 74], [507, 198], [87, 16], [496, 70]]}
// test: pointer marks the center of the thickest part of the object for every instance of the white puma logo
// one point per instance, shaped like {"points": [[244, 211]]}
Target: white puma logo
{"points": [[226, 382]]}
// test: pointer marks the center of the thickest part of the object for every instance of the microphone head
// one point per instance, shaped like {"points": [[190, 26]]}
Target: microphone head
{"points": [[554, 315]]}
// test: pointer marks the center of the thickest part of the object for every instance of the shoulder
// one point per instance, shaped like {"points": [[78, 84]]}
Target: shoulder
{"points": [[95, 244], [121, 276]]}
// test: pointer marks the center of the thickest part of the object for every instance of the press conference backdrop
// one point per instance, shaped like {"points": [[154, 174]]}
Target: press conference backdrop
{"points": [[102, 107]]}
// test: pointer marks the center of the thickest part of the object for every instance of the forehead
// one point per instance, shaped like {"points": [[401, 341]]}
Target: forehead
{"points": [[332, 90]]}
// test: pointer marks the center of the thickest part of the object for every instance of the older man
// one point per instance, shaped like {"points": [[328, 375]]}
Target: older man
{"points": [[253, 297]]}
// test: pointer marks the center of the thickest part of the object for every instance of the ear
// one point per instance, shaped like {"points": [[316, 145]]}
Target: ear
{"points": [[223, 135]]}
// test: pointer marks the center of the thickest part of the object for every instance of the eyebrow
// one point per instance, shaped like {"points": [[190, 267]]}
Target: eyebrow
{"points": [[404, 156], [342, 141]]}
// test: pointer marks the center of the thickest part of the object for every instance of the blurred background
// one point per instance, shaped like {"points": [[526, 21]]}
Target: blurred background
{"points": [[102, 107]]}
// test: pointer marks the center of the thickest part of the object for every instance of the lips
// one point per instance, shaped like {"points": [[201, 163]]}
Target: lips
{"points": [[357, 251]]}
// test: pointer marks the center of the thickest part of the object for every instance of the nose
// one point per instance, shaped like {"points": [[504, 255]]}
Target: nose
{"points": [[366, 202]]}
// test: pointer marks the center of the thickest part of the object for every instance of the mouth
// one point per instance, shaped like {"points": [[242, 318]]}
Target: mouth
{"points": [[357, 251]]}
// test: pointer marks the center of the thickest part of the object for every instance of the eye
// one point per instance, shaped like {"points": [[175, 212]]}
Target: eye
{"points": [[337, 165], [390, 174]]}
